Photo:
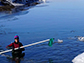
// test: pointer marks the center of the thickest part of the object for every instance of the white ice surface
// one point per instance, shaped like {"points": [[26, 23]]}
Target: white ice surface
{"points": [[79, 58]]}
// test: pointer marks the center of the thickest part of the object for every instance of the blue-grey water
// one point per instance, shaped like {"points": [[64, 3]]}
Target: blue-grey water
{"points": [[59, 19]]}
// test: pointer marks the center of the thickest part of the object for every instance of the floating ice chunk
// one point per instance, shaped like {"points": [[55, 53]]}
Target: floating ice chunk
{"points": [[60, 41], [79, 58], [81, 38]]}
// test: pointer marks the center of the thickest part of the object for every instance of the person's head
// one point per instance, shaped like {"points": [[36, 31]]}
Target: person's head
{"points": [[16, 38]]}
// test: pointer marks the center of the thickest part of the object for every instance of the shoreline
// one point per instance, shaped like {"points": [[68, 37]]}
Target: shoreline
{"points": [[9, 8]]}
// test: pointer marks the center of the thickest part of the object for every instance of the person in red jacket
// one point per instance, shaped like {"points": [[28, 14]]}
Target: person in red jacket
{"points": [[16, 44]]}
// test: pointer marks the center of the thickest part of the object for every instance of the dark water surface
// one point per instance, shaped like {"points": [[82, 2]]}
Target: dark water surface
{"points": [[59, 19]]}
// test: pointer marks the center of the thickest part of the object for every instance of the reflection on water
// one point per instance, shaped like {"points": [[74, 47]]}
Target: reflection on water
{"points": [[12, 16], [50, 60]]}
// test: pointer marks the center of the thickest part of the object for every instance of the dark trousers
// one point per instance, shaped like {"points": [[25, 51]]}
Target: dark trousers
{"points": [[19, 55]]}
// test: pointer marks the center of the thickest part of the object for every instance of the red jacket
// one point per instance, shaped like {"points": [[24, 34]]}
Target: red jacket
{"points": [[16, 45]]}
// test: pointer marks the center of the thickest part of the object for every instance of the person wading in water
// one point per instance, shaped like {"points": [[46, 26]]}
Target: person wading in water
{"points": [[16, 44]]}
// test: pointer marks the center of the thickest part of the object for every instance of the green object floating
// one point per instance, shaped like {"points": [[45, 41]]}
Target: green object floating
{"points": [[51, 42]]}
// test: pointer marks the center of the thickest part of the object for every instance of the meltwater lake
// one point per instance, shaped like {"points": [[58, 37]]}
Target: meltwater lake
{"points": [[59, 19]]}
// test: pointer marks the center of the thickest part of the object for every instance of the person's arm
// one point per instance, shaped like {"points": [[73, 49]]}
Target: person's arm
{"points": [[9, 46], [22, 48]]}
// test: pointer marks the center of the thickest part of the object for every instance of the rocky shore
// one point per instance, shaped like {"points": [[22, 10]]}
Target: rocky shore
{"points": [[9, 8], [6, 8]]}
